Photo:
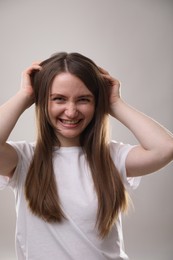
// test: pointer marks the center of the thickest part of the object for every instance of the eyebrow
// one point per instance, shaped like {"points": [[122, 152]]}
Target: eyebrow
{"points": [[86, 96], [56, 94]]}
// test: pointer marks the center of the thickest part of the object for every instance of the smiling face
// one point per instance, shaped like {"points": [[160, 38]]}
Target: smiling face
{"points": [[71, 108]]}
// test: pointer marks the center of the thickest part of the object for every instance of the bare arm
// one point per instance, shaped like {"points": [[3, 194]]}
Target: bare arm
{"points": [[155, 148], [9, 115]]}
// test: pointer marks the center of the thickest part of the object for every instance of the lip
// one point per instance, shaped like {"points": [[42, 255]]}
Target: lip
{"points": [[70, 123]]}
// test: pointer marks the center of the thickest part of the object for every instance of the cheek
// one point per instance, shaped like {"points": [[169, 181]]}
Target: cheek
{"points": [[90, 112], [52, 111]]}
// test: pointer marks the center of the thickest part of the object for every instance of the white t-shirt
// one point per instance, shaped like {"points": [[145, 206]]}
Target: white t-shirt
{"points": [[77, 237]]}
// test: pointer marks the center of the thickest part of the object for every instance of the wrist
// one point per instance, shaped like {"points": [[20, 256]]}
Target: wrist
{"points": [[116, 106], [25, 98]]}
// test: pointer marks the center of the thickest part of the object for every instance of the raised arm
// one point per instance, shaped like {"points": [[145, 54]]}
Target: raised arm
{"points": [[155, 148], [9, 115]]}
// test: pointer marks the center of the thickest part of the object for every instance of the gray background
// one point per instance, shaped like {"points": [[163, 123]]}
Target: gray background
{"points": [[133, 40]]}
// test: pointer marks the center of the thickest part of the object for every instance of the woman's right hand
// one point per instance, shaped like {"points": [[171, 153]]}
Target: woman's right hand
{"points": [[26, 85]]}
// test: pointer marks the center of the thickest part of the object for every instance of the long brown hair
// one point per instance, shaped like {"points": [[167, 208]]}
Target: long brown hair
{"points": [[40, 187]]}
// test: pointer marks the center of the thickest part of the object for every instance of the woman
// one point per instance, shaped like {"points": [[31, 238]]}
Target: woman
{"points": [[70, 186]]}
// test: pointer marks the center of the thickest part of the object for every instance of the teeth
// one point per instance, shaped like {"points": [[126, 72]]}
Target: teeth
{"points": [[70, 122]]}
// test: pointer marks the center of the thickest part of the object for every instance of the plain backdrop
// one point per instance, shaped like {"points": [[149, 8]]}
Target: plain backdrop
{"points": [[133, 40]]}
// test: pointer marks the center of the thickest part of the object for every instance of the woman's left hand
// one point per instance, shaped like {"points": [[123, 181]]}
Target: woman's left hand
{"points": [[114, 87], [155, 148]]}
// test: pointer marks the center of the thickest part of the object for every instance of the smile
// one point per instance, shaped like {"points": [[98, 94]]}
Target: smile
{"points": [[70, 122]]}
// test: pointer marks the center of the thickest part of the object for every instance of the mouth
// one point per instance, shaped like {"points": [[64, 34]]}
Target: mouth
{"points": [[70, 122]]}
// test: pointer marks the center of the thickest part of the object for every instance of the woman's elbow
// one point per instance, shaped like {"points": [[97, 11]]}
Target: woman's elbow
{"points": [[168, 151]]}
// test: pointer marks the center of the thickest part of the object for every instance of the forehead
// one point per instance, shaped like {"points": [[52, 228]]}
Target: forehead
{"points": [[67, 83]]}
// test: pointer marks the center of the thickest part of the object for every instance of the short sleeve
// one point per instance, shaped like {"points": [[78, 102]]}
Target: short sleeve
{"points": [[119, 152], [4, 180], [25, 153]]}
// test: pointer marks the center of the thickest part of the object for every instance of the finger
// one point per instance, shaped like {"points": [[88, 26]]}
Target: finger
{"points": [[30, 69], [107, 76], [37, 62], [103, 71]]}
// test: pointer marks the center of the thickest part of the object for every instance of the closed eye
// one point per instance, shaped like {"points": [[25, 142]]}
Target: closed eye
{"points": [[58, 99], [84, 100]]}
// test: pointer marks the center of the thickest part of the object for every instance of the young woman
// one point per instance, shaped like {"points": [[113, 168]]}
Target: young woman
{"points": [[70, 185]]}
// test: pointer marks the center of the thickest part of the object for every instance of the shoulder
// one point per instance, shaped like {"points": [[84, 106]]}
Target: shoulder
{"points": [[23, 148], [119, 152], [119, 149], [25, 152]]}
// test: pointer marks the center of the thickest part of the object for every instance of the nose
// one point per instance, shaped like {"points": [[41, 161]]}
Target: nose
{"points": [[71, 110]]}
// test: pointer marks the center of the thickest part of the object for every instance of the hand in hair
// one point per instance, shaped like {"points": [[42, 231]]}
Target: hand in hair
{"points": [[114, 85], [26, 84]]}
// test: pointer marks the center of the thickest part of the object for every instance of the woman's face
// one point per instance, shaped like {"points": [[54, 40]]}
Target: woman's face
{"points": [[71, 108]]}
